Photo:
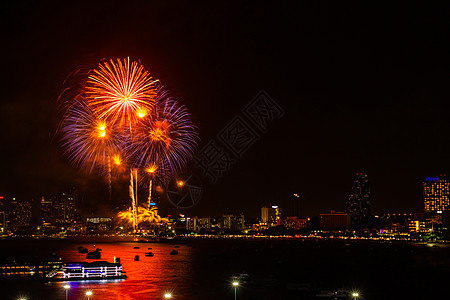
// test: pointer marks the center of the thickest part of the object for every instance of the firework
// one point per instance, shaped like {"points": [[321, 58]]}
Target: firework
{"points": [[144, 215], [120, 90], [122, 119], [89, 141], [164, 140]]}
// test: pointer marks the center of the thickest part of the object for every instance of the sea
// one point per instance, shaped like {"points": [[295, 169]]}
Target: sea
{"points": [[276, 269]]}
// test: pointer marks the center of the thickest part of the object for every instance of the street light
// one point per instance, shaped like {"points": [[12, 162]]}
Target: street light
{"points": [[89, 294], [235, 284], [355, 295], [167, 295], [67, 287]]}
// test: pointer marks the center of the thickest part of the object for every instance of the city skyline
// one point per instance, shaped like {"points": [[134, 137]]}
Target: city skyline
{"points": [[350, 103]]}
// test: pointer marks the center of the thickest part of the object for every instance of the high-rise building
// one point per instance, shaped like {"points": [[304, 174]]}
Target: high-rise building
{"points": [[270, 216], [47, 212], [14, 213], [20, 213], [436, 194], [358, 200], [233, 222], [197, 224], [64, 208]]}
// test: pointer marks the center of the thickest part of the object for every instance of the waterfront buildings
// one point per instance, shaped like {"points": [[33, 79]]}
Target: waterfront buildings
{"points": [[335, 220], [197, 224], [436, 194], [233, 222], [270, 216]]}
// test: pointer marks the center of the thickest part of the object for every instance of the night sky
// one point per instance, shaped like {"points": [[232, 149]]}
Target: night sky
{"points": [[364, 87]]}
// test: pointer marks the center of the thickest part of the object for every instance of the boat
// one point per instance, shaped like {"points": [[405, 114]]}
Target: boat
{"points": [[136, 258], [82, 250], [149, 248], [149, 254], [136, 247], [335, 294], [174, 252], [87, 271], [94, 255]]}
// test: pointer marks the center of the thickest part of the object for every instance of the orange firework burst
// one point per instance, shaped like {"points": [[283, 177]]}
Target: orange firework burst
{"points": [[144, 215], [120, 90]]}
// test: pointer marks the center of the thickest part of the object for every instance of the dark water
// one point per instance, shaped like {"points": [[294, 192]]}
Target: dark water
{"points": [[280, 269]]}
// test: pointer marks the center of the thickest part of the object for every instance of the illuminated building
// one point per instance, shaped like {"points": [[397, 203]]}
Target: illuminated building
{"points": [[358, 200], [46, 212], [335, 220], [20, 213], [64, 209], [270, 216], [197, 224], [233, 222], [295, 223], [436, 194], [417, 226], [14, 213]]}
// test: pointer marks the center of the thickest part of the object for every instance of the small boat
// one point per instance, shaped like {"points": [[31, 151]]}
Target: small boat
{"points": [[136, 258], [174, 252], [176, 246], [149, 248], [98, 249], [136, 247], [82, 250], [148, 253], [94, 255]]}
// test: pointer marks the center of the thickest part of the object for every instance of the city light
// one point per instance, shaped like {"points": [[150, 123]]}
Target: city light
{"points": [[67, 287], [89, 294], [235, 285]]}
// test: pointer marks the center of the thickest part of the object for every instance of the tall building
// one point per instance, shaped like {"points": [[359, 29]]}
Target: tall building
{"points": [[14, 213], [197, 224], [270, 216], [64, 208], [20, 213], [47, 212], [358, 200], [233, 222], [436, 194]]}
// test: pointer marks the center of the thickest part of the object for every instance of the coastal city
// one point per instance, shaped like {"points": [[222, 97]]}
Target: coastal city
{"points": [[155, 150], [58, 217]]}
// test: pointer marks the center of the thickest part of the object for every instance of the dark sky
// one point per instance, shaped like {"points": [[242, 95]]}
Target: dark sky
{"points": [[364, 87]]}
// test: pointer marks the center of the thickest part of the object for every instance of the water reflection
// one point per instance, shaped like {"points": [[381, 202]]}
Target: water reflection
{"points": [[148, 278]]}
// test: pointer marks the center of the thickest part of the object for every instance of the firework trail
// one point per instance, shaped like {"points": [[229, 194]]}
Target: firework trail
{"points": [[133, 197], [120, 91]]}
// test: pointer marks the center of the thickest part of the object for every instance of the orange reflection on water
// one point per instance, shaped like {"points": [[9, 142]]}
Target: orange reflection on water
{"points": [[148, 278]]}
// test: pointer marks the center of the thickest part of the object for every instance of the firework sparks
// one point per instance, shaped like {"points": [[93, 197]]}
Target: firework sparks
{"points": [[123, 119], [144, 215], [165, 139], [120, 90], [87, 139]]}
